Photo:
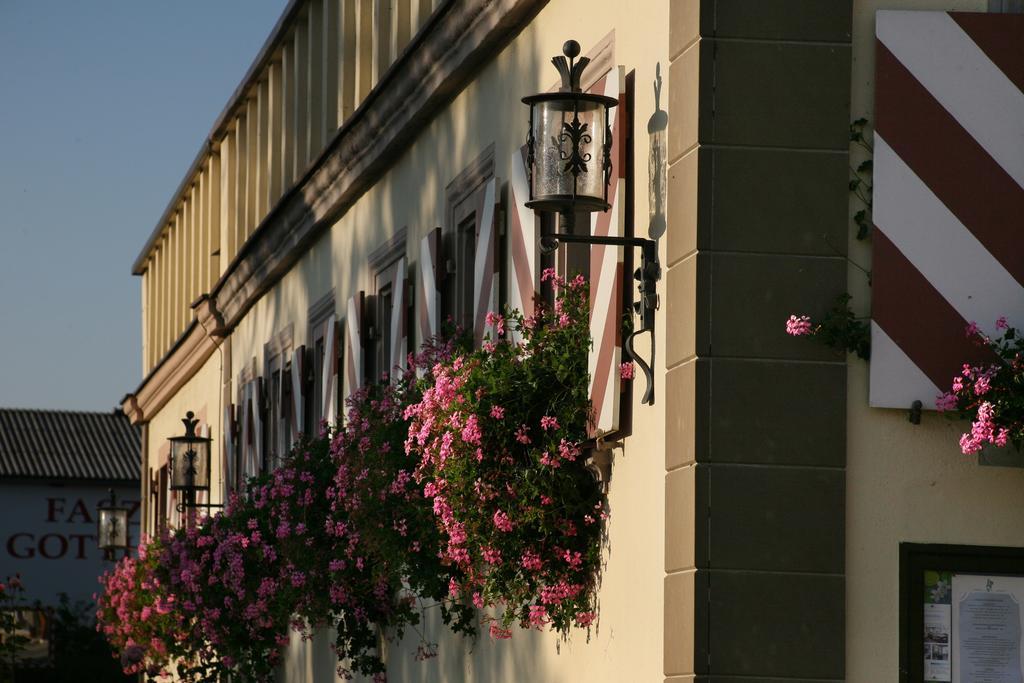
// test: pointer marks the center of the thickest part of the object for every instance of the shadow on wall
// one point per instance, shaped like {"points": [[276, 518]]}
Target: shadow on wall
{"points": [[657, 129]]}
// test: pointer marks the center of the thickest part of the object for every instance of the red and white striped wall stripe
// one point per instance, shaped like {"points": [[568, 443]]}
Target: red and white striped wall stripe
{"points": [[948, 195], [523, 246], [606, 279]]}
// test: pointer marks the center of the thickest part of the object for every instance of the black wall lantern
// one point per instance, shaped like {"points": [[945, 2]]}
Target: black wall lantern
{"points": [[112, 526], [190, 464], [569, 167], [569, 145]]}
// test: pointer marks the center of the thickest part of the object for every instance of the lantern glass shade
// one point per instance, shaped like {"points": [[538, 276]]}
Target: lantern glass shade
{"points": [[570, 151], [113, 528], [190, 463]]}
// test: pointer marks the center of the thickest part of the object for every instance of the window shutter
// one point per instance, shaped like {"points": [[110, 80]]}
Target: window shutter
{"points": [[485, 266], [354, 344], [257, 426], [281, 414], [398, 344], [298, 380], [329, 399], [606, 279], [523, 246], [245, 438], [428, 303], [229, 449]]}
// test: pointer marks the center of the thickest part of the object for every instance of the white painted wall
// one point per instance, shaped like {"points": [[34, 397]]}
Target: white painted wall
{"points": [[201, 394]]}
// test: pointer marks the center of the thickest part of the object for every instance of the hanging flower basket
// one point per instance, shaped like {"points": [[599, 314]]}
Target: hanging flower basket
{"points": [[499, 433], [990, 395]]}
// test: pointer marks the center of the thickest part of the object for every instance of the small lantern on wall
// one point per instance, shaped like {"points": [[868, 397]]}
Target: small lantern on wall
{"points": [[569, 145], [569, 167], [112, 525], [190, 461]]}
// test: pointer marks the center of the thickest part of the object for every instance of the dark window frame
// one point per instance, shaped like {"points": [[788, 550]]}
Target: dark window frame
{"points": [[383, 262], [318, 314], [462, 200], [915, 559], [276, 362]]}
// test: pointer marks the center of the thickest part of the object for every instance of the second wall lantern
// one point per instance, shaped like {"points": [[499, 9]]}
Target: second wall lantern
{"points": [[190, 460]]}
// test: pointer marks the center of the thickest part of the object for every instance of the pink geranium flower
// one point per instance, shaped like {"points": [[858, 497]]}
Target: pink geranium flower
{"points": [[626, 370], [798, 326], [502, 521]]}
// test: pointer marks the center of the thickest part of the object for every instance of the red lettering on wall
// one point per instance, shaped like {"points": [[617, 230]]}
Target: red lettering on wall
{"points": [[82, 538], [62, 543], [54, 506], [27, 552], [80, 509]]}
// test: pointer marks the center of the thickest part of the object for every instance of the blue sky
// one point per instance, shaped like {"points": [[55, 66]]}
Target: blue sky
{"points": [[103, 105]]}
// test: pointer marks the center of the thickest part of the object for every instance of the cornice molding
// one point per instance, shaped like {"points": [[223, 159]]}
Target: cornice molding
{"points": [[438, 64], [210, 318], [185, 359]]}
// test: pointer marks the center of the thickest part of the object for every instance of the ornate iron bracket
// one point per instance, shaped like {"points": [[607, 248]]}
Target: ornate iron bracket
{"points": [[647, 275]]}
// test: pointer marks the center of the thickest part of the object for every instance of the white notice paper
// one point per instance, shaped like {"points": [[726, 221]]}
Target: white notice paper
{"points": [[987, 627]]}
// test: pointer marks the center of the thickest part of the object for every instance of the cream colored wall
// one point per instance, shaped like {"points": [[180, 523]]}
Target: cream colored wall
{"points": [[627, 646], [905, 483], [201, 393]]}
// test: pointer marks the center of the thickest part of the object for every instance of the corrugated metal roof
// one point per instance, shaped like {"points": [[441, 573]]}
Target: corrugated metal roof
{"points": [[61, 444]]}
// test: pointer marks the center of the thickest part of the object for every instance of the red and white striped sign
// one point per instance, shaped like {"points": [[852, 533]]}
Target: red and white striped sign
{"points": [[606, 277], [948, 195], [398, 344], [485, 265], [523, 242], [354, 344]]}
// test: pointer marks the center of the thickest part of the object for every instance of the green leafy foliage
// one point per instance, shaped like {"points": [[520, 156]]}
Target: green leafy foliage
{"points": [[860, 183], [499, 434], [12, 641]]}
